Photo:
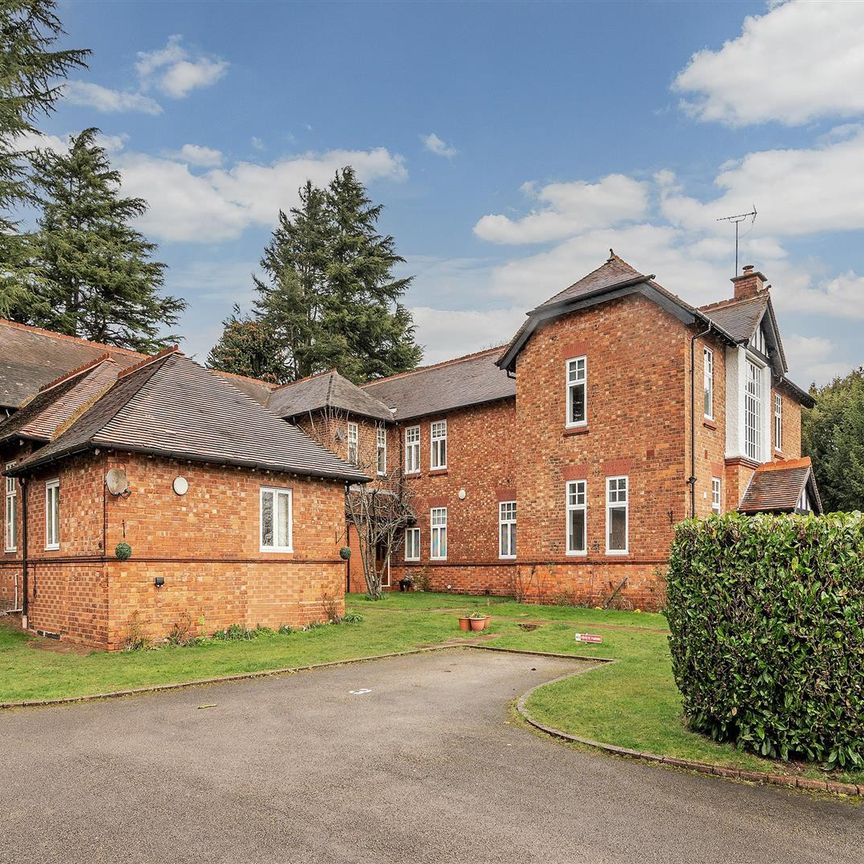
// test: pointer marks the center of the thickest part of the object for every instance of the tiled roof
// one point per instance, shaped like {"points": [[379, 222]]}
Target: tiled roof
{"points": [[777, 486], [738, 317], [259, 390], [172, 406], [56, 403], [31, 357], [469, 380], [612, 272], [327, 390]]}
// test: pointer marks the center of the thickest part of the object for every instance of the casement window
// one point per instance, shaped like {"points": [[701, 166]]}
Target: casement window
{"points": [[716, 500], [438, 528], [412, 450], [277, 522], [438, 437], [412, 544], [708, 385], [11, 512], [507, 529], [753, 412], [577, 392], [577, 517], [52, 514], [778, 421], [353, 443], [617, 515], [381, 449]]}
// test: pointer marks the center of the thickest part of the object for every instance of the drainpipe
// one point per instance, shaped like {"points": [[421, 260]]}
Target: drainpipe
{"points": [[691, 480], [25, 600]]}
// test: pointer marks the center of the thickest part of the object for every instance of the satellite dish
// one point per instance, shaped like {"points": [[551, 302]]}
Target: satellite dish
{"points": [[116, 481]]}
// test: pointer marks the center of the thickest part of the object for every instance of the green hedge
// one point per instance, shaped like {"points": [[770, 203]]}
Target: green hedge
{"points": [[767, 621]]}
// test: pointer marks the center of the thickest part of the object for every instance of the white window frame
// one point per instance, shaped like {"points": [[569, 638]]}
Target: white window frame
{"points": [[52, 514], [438, 534], [278, 493], [507, 529], [572, 380], [437, 445], [413, 546], [617, 505], [381, 449], [412, 449], [754, 406], [579, 489], [758, 341], [716, 495], [11, 512], [778, 422], [353, 443], [708, 382]]}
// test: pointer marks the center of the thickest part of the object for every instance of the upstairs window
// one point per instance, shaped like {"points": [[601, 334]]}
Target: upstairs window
{"points": [[778, 421], [577, 517], [353, 442], [276, 520], [716, 500], [412, 544], [438, 436], [757, 343], [438, 526], [753, 412], [577, 391], [412, 450], [381, 449], [11, 512], [52, 514], [507, 529], [708, 378], [617, 515]]}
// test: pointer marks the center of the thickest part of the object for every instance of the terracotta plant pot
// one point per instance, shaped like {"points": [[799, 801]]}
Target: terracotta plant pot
{"points": [[465, 624], [479, 623]]}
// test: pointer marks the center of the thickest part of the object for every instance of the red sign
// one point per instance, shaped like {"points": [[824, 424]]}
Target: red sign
{"points": [[588, 637]]}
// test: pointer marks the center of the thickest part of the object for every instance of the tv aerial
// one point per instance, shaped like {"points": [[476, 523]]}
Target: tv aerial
{"points": [[736, 220]]}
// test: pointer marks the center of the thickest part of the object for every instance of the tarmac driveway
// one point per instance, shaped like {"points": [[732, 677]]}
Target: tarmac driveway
{"points": [[418, 764]]}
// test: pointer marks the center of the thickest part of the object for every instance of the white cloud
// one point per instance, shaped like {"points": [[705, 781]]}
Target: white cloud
{"points": [[434, 144], [109, 101], [796, 191], [798, 62], [196, 154], [447, 333], [219, 204], [567, 209], [176, 71], [812, 357]]}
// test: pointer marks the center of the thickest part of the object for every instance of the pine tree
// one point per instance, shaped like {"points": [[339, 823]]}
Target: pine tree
{"points": [[94, 270], [28, 90], [247, 348]]}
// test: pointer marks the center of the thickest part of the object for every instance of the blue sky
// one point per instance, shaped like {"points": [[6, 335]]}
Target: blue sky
{"points": [[511, 143]]}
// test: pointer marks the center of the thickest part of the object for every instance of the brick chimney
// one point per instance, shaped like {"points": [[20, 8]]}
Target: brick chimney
{"points": [[750, 283]]}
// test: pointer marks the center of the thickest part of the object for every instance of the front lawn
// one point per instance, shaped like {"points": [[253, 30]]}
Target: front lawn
{"points": [[631, 703]]}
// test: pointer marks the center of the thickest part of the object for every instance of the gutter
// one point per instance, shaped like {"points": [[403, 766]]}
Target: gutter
{"points": [[691, 480]]}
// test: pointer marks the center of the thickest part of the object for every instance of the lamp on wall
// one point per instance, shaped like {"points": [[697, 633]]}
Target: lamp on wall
{"points": [[158, 581]]}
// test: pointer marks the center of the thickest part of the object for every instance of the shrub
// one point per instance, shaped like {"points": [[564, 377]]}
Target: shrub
{"points": [[352, 618], [234, 633], [767, 622]]}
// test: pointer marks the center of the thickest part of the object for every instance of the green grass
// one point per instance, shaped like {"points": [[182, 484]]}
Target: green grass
{"points": [[632, 703]]}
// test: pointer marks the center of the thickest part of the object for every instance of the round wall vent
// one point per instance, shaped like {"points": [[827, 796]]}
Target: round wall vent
{"points": [[180, 485]]}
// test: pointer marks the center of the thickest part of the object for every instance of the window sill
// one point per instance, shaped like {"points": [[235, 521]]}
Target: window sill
{"points": [[577, 554], [275, 551], [614, 554], [437, 472], [576, 430], [708, 423], [52, 548], [412, 473]]}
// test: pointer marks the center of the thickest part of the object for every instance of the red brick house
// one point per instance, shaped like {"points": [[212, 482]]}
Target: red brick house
{"points": [[232, 516], [555, 467]]}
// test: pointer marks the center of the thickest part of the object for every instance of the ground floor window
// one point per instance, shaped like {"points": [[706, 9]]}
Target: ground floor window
{"points": [[617, 515], [507, 529], [438, 526], [52, 514], [276, 520], [577, 517], [412, 544], [716, 501], [11, 507]]}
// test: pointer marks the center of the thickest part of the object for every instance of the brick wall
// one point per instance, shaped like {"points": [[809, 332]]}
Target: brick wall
{"points": [[205, 545]]}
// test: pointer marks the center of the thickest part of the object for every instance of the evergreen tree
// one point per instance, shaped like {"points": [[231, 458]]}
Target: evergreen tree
{"points": [[329, 298], [28, 90], [833, 436], [247, 348], [93, 269]]}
